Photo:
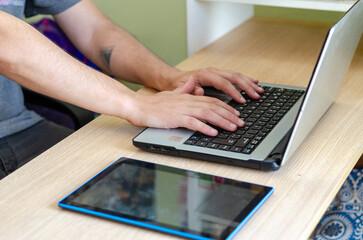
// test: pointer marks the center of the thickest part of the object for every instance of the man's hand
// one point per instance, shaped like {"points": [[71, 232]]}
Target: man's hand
{"points": [[178, 108], [222, 80]]}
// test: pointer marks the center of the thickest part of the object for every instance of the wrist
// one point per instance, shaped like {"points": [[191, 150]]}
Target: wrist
{"points": [[168, 79]]}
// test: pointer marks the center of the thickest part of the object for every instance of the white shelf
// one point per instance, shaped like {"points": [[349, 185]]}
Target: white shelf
{"points": [[208, 21], [327, 5]]}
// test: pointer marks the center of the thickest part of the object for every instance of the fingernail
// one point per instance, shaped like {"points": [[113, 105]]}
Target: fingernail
{"points": [[213, 132], [243, 100], [260, 88], [256, 94], [236, 112], [233, 126], [240, 122]]}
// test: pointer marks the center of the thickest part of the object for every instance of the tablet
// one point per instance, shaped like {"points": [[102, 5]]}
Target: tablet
{"points": [[173, 200]]}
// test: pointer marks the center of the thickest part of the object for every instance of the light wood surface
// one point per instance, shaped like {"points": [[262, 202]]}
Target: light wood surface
{"points": [[272, 51]]}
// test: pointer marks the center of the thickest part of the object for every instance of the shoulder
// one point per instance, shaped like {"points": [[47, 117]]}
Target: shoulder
{"points": [[34, 7]]}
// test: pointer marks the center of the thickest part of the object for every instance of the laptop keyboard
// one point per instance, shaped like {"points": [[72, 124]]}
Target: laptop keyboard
{"points": [[260, 117]]}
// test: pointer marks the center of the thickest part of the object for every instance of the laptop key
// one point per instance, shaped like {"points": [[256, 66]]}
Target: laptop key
{"points": [[264, 119], [249, 136], [266, 130], [213, 145], [239, 108], [240, 132], [262, 134], [190, 142], [273, 122], [224, 141], [282, 111], [201, 144], [255, 115], [260, 123], [194, 137], [280, 90], [247, 111], [222, 135], [276, 118], [257, 127], [251, 119], [236, 136], [248, 124], [262, 108], [242, 142], [268, 115], [206, 139], [246, 151], [251, 146], [236, 149], [269, 89], [259, 112], [252, 132], [258, 138], [280, 114], [224, 147]]}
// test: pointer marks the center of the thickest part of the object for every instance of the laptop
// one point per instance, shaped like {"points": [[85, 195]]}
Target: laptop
{"points": [[277, 123]]}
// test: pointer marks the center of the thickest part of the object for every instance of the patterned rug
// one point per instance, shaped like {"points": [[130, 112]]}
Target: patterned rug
{"points": [[343, 219]]}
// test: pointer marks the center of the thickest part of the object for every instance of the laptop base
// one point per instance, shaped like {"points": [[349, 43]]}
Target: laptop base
{"points": [[271, 163]]}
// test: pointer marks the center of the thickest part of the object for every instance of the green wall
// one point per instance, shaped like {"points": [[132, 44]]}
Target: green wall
{"points": [[298, 14], [158, 24]]}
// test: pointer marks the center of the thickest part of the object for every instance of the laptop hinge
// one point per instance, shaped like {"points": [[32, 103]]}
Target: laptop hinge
{"points": [[277, 153]]}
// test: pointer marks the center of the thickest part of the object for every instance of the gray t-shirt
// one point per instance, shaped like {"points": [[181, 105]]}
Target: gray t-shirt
{"points": [[14, 117]]}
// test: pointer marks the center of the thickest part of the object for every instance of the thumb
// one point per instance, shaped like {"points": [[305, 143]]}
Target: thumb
{"points": [[188, 87]]}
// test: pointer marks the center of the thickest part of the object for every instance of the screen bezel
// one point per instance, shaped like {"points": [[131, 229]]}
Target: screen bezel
{"points": [[241, 218]]}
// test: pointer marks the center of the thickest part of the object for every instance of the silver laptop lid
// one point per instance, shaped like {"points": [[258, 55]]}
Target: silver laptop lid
{"points": [[330, 71]]}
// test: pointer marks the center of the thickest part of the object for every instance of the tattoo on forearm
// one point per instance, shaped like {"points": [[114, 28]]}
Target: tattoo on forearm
{"points": [[105, 54]]}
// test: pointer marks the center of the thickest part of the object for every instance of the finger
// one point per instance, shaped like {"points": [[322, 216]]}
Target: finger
{"points": [[198, 91], [245, 84], [256, 87], [255, 81], [208, 78], [214, 102], [197, 125], [213, 113], [249, 84], [194, 122], [218, 116], [188, 87], [233, 76]]}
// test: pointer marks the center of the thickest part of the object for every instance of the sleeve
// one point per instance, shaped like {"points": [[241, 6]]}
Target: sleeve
{"points": [[34, 7]]}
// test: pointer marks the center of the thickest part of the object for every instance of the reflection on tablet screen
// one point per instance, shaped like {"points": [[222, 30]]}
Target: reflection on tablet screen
{"points": [[177, 199]]}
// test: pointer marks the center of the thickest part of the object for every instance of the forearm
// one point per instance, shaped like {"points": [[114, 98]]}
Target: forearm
{"points": [[36, 63], [124, 57], [113, 49]]}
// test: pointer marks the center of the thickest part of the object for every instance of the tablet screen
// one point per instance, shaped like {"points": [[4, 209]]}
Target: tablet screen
{"points": [[171, 199]]}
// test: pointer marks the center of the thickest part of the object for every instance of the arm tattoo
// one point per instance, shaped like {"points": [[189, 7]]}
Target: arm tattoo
{"points": [[105, 54]]}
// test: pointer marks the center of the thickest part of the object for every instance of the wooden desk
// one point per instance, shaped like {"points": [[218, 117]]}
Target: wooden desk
{"points": [[272, 51]]}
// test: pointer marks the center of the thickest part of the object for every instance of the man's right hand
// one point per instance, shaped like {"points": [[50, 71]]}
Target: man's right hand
{"points": [[178, 108]]}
